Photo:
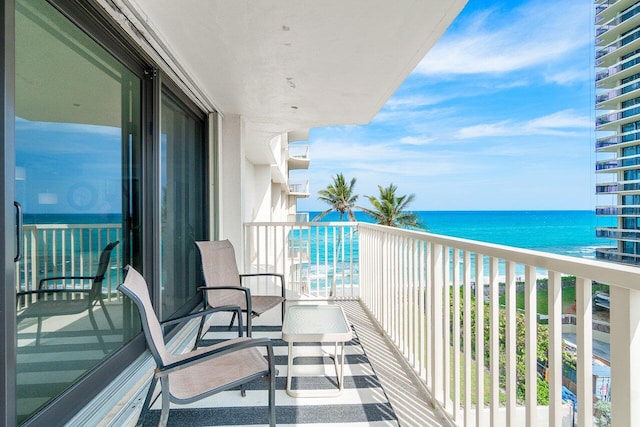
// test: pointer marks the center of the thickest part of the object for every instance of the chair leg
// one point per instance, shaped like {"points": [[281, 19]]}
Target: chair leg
{"points": [[97, 330], [147, 402], [38, 330], [233, 320], [198, 336], [272, 388], [164, 413], [106, 314]]}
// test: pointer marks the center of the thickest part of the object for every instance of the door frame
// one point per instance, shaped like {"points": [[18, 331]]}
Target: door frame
{"points": [[8, 230]]}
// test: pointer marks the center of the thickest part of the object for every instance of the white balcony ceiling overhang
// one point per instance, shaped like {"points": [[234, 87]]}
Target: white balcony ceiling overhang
{"points": [[296, 64], [283, 65]]}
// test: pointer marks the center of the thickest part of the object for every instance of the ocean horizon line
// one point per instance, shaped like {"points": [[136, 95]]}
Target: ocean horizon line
{"points": [[475, 210]]}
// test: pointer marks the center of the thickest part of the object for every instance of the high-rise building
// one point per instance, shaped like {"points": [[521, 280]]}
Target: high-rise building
{"points": [[617, 61]]}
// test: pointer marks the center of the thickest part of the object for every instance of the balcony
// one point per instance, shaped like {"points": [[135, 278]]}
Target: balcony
{"points": [[421, 289], [413, 298], [622, 210], [613, 143], [611, 165], [299, 189], [614, 255], [618, 233], [624, 45], [618, 187], [298, 157]]}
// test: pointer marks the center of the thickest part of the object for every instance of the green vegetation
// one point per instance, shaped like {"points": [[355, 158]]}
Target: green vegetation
{"points": [[542, 348], [568, 298], [542, 301], [474, 381], [340, 197], [390, 209]]}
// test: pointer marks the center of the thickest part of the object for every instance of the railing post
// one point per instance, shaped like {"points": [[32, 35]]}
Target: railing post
{"points": [[480, 369], [555, 348], [436, 320], [585, 351], [625, 353], [531, 347]]}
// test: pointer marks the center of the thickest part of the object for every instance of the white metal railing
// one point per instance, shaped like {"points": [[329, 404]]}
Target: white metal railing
{"points": [[319, 259], [68, 250], [427, 292]]}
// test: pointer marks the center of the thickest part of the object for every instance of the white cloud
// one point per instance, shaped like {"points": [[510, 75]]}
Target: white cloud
{"points": [[562, 123], [569, 76], [412, 102], [416, 140], [494, 42]]}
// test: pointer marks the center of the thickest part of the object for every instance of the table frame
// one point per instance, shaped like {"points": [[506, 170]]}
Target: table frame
{"points": [[316, 323]]}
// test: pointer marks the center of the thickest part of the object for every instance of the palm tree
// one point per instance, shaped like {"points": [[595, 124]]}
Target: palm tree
{"points": [[340, 198], [390, 209]]}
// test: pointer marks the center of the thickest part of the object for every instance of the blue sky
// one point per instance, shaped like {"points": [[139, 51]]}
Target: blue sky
{"points": [[498, 115]]}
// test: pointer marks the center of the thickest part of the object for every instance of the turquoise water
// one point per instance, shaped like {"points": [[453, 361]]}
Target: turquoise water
{"points": [[560, 232]]}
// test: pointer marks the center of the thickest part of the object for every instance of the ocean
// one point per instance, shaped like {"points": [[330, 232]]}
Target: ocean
{"points": [[561, 232]]}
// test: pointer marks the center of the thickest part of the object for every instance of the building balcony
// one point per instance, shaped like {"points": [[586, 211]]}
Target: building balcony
{"points": [[620, 24], [299, 157], [610, 54], [299, 189], [621, 210], [618, 187], [614, 165], [613, 143], [610, 121], [618, 234], [611, 76], [608, 10], [614, 255], [411, 297]]}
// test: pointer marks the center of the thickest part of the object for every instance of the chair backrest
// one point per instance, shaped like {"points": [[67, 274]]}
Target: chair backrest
{"points": [[135, 287], [103, 264], [219, 268]]}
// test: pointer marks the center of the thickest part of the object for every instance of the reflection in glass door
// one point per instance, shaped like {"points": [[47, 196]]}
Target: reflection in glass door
{"points": [[77, 119]]}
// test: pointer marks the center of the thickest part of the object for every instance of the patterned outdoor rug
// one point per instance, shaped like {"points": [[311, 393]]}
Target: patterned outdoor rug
{"points": [[362, 403]]}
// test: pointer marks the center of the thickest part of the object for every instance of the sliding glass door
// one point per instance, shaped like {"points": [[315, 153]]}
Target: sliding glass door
{"points": [[77, 121], [183, 205], [110, 169]]}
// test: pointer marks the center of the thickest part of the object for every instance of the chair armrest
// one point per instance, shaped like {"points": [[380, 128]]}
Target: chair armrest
{"points": [[280, 276], [40, 292], [49, 279], [231, 347], [247, 293], [202, 313]]}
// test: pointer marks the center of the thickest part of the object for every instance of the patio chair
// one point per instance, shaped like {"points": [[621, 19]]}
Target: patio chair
{"points": [[192, 376], [60, 296], [224, 284]]}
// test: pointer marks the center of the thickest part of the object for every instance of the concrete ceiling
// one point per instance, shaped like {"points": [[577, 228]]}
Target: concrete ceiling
{"points": [[296, 64]]}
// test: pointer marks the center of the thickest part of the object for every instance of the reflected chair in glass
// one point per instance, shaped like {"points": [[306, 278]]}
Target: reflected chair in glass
{"points": [[224, 284], [61, 296], [188, 377]]}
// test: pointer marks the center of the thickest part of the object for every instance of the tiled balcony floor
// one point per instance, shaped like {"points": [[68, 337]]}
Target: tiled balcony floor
{"points": [[408, 401]]}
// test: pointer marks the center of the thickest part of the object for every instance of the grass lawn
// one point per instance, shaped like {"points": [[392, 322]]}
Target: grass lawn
{"points": [[474, 386], [568, 298]]}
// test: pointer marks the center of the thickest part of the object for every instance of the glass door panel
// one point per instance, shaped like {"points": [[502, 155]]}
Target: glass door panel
{"points": [[182, 204], [77, 119]]}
